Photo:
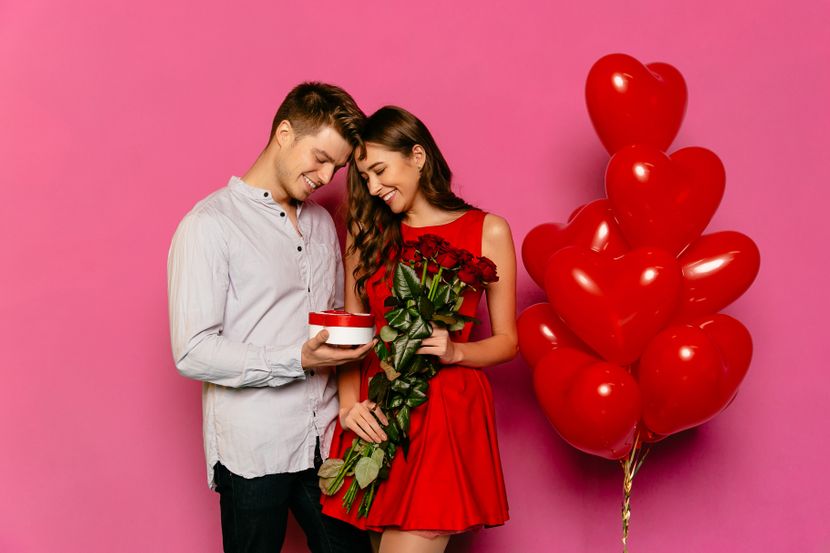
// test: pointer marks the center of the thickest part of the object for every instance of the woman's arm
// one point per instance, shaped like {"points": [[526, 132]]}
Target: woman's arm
{"points": [[355, 415], [497, 244]]}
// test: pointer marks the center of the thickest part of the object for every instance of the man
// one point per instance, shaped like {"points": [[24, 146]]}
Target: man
{"points": [[246, 266]]}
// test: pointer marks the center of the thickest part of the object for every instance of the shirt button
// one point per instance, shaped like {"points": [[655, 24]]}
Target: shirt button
{"points": [[265, 195], [282, 214], [299, 248]]}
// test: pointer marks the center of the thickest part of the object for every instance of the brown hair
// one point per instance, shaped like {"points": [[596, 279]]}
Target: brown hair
{"points": [[312, 105], [375, 229]]}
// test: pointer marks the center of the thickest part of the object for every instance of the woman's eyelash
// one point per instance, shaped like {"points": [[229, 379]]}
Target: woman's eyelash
{"points": [[380, 171]]}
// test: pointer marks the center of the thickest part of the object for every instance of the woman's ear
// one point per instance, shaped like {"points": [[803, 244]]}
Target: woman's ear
{"points": [[419, 156]]}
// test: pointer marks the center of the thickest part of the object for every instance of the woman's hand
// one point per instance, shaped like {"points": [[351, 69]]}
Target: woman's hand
{"points": [[364, 419], [440, 345]]}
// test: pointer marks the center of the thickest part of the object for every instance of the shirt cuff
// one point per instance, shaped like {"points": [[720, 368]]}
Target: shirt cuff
{"points": [[285, 364]]}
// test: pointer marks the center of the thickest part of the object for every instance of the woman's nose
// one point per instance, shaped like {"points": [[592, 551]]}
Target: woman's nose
{"points": [[374, 186]]}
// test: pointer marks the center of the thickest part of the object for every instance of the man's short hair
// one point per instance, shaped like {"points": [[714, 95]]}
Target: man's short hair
{"points": [[312, 105]]}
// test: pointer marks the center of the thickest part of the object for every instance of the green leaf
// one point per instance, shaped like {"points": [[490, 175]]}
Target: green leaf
{"points": [[391, 301], [442, 296], [457, 305], [402, 418], [458, 325], [392, 431], [417, 363], [406, 283], [415, 400], [446, 319], [425, 307], [399, 318], [388, 334], [420, 329], [326, 485], [330, 468], [395, 402], [382, 350], [405, 348], [366, 471], [378, 387], [401, 385], [378, 456]]}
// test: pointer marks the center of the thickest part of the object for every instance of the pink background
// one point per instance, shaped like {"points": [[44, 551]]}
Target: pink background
{"points": [[117, 117]]}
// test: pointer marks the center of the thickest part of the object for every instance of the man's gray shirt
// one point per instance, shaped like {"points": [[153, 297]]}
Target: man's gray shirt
{"points": [[241, 282]]}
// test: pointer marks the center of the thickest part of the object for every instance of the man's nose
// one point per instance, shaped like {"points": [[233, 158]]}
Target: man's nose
{"points": [[326, 174]]}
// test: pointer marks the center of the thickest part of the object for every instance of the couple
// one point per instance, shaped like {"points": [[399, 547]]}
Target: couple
{"points": [[249, 263]]}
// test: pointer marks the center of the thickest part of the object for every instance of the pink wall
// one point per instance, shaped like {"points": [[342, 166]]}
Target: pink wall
{"points": [[116, 117]]}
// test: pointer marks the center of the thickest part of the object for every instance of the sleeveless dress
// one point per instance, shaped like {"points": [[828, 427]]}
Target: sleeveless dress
{"points": [[451, 480]]}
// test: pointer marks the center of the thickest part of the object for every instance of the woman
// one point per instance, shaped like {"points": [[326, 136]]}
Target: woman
{"points": [[450, 480]]}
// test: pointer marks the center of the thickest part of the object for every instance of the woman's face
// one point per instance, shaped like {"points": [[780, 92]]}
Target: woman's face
{"points": [[391, 176]]}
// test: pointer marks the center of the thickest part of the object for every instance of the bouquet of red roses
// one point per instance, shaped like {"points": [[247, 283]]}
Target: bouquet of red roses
{"points": [[428, 288]]}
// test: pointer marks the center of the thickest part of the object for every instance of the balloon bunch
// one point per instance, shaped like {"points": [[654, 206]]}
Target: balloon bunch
{"points": [[630, 346]]}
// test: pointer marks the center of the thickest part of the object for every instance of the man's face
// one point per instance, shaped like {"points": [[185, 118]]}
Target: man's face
{"points": [[306, 163]]}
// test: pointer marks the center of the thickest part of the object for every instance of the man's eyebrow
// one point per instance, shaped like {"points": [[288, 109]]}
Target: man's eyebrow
{"points": [[325, 154]]}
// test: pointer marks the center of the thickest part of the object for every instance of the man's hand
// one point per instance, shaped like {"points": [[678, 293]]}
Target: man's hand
{"points": [[316, 353]]}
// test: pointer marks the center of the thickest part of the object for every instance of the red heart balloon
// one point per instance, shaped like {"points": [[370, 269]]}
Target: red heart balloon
{"points": [[632, 103], [540, 331], [592, 226], [614, 305], [537, 247], [664, 201], [690, 372], [717, 269], [734, 342], [595, 406]]}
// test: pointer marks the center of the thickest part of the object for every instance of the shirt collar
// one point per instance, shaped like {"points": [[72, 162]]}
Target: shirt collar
{"points": [[258, 195]]}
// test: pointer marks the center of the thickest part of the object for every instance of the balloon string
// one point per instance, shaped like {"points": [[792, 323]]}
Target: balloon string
{"points": [[630, 465]]}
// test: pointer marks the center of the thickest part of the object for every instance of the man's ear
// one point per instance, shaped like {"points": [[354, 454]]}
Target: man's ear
{"points": [[284, 134]]}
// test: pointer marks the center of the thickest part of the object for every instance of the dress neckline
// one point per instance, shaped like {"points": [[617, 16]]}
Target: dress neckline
{"points": [[436, 226]]}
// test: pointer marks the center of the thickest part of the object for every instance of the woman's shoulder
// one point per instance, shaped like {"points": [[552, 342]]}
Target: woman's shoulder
{"points": [[495, 227]]}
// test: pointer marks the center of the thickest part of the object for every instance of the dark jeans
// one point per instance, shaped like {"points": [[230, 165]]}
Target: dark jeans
{"points": [[255, 513]]}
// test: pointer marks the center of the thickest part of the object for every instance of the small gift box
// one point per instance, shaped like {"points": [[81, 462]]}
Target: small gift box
{"points": [[345, 329]]}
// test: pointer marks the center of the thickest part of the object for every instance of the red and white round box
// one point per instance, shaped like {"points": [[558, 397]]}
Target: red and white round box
{"points": [[345, 329]]}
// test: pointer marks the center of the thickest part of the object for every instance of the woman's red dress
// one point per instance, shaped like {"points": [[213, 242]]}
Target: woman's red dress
{"points": [[451, 479]]}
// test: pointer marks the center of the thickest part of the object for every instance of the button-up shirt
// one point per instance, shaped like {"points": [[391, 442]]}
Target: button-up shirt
{"points": [[241, 282]]}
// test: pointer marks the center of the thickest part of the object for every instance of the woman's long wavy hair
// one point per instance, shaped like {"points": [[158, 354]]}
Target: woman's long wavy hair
{"points": [[375, 229]]}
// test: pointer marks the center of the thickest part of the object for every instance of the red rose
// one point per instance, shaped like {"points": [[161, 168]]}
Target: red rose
{"points": [[487, 269], [469, 274], [409, 251], [447, 257], [464, 257], [429, 244]]}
